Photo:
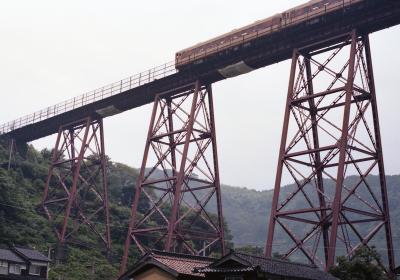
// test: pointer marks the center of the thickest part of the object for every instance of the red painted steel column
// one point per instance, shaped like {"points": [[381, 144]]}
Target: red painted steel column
{"points": [[170, 137], [76, 167], [181, 174], [216, 170], [135, 202], [49, 175], [337, 203], [105, 186], [318, 167], [282, 152], [11, 153]]}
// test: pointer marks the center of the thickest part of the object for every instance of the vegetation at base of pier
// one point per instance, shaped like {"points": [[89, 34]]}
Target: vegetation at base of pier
{"points": [[363, 266], [22, 221]]}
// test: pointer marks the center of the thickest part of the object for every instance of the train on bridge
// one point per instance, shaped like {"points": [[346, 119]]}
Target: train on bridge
{"points": [[242, 50], [309, 12]]}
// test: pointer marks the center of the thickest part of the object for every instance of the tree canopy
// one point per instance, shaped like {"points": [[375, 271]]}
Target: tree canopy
{"points": [[364, 265]]}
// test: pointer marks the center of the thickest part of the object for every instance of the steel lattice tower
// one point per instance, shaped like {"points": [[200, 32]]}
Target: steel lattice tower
{"points": [[331, 131], [178, 186], [76, 193]]}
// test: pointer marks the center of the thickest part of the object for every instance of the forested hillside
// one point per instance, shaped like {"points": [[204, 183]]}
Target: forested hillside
{"points": [[247, 211], [22, 221]]}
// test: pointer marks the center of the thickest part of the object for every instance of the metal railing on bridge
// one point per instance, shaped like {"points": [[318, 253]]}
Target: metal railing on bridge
{"points": [[92, 96], [147, 76]]}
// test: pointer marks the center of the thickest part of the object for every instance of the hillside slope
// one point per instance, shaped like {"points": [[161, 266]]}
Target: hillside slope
{"points": [[247, 211], [21, 221]]}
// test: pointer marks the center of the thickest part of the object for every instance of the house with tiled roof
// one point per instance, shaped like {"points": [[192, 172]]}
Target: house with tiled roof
{"points": [[233, 266], [240, 266], [158, 265], [23, 263]]}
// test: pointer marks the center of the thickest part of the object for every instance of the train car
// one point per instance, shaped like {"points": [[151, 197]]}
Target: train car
{"points": [[243, 36]]}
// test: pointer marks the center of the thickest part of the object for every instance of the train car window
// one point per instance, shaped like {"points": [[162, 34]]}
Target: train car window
{"points": [[265, 25]]}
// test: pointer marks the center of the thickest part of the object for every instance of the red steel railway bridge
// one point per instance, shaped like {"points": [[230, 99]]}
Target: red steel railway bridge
{"points": [[330, 130]]}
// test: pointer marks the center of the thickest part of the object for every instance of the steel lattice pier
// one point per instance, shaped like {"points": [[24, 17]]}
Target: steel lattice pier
{"points": [[331, 131], [75, 199], [172, 210]]}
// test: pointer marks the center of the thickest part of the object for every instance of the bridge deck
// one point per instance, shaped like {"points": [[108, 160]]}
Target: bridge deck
{"points": [[138, 90]]}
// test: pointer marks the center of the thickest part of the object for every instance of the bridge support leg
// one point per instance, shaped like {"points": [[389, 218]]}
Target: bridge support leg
{"points": [[179, 179], [76, 192], [12, 151], [330, 132]]}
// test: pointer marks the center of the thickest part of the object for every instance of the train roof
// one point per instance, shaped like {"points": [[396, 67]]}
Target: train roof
{"points": [[311, 2], [228, 33]]}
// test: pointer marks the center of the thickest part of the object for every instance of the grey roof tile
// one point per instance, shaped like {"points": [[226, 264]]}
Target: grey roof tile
{"points": [[8, 255], [286, 268], [31, 254], [270, 266]]}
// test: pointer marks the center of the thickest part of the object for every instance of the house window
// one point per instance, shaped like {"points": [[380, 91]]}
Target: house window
{"points": [[3, 267], [34, 269], [15, 269]]}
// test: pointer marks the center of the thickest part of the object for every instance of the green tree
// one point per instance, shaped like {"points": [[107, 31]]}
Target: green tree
{"points": [[364, 266]]}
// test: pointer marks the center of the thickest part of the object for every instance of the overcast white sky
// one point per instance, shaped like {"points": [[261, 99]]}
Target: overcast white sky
{"points": [[53, 50]]}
